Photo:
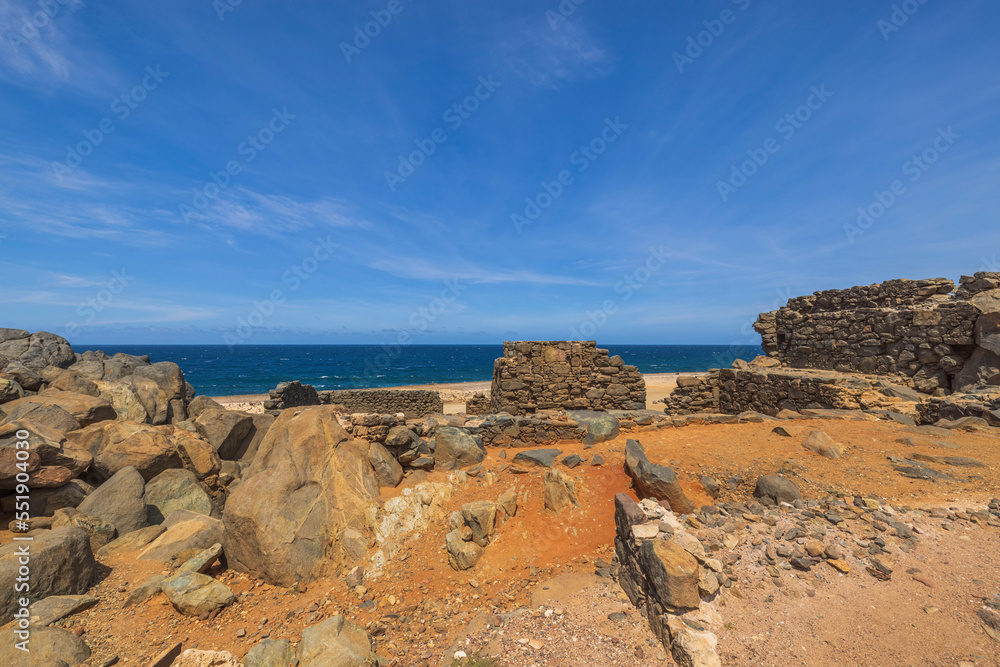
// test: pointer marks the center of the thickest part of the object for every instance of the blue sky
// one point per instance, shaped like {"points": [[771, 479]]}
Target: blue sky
{"points": [[588, 183]]}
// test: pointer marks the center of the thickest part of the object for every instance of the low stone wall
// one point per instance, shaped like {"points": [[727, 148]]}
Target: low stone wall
{"points": [[477, 404], [567, 375], [413, 404], [507, 431], [694, 395]]}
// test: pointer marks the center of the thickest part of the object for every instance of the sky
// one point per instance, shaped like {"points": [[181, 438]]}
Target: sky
{"points": [[403, 171]]}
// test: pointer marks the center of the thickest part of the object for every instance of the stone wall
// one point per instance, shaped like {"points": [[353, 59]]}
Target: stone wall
{"points": [[924, 330], [477, 404], [412, 403], [539, 375]]}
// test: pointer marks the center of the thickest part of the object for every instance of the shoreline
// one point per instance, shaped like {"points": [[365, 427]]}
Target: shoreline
{"points": [[454, 394]]}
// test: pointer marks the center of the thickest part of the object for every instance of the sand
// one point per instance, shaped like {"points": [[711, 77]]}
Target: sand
{"points": [[454, 394]]}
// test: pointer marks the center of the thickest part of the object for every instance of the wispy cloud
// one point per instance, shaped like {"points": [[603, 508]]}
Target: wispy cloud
{"points": [[267, 214], [547, 57]]}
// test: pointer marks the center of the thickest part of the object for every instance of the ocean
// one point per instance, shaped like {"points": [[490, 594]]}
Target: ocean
{"points": [[215, 370]]}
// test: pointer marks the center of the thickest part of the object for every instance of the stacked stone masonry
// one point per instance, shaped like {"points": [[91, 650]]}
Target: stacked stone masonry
{"points": [[925, 330], [539, 375], [412, 403]]}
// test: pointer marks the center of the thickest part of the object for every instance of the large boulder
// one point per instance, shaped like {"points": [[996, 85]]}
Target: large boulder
{"points": [[61, 564], [982, 368], [308, 483], [117, 445], [653, 480], [162, 389], [48, 415], [599, 426], [36, 350], [251, 443], [44, 502], [672, 572], [28, 379], [201, 403], [197, 455], [271, 653], [336, 642], [173, 490], [386, 467], [775, 489], [224, 430], [47, 647], [124, 400], [85, 409], [455, 448], [66, 380], [51, 445], [10, 390], [119, 501]]}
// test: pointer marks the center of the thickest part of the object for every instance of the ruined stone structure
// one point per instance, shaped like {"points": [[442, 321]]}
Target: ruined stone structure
{"points": [[538, 375], [924, 330], [477, 404], [412, 403]]}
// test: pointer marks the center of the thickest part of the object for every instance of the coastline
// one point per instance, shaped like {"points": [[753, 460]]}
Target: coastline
{"points": [[454, 394]]}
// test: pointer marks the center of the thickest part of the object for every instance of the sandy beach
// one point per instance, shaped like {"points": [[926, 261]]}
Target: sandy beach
{"points": [[658, 386]]}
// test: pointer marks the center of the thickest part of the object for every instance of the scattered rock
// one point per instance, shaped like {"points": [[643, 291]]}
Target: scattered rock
{"points": [[336, 642], [777, 490], [454, 448], [271, 653], [543, 458], [560, 491], [119, 501], [462, 555], [57, 607], [195, 594]]}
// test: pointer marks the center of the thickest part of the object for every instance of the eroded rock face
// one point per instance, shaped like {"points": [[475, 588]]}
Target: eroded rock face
{"points": [[308, 483], [36, 350], [117, 445]]}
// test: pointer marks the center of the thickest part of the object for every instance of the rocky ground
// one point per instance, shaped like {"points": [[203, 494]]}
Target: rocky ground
{"points": [[785, 600]]}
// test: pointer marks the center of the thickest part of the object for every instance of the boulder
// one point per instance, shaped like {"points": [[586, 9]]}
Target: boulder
{"points": [[37, 350], [98, 530], [137, 539], [117, 445], [455, 448], [51, 416], [822, 444], [904, 393], [387, 469], [10, 390], [57, 607], [51, 445], [47, 647], [987, 332], [186, 534], [200, 404], [251, 443], [776, 490], [172, 490], [197, 455], [690, 647], [308, 483], [14, 462], [90, 364], [599, 426], [120, 501], [653, 480], [45, 477], [672, 572], [124, 400], [24, 376], [982, 368], [146, 590], [195, 594], [271, 653], [542, 458], [162, 389], [560, 491], [67, 380], [224, 430], [84, 409], [336, 642], [44, 502], [123, 365], [462, 555], [481, 518], [61, 564]]}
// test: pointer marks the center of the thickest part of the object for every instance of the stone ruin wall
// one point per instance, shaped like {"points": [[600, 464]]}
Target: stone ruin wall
{"points": [[567, 375], [922, 330], [413, 404]]}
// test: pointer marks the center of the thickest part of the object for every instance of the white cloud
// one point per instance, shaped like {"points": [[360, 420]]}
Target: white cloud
{"points": [[546, 57]]}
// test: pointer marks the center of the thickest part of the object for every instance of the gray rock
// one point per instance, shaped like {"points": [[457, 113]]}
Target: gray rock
{"points": [[654, 480], [58, 607], [119, 501], [987, 332], [48, 646], [904, 393], [200, 404], [387, 469], [599, 426], [538, 457], [146, 590], [454, 448], [173, 490], [195, 594], [61, 564], [982, 368], [481, 517], [271, 653], [777, 489], [336, 642], [203, 561], [37, 350], [133, 541]]}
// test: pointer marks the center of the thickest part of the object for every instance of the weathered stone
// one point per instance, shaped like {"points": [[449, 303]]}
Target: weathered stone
{"points": [[225, 430], [672, 572], [777, 489], [481, 517], [100, 532], [508, 501], [822, 444], [336, 642], [42, 414], [196, 658], [271, 653], [200, 404], [387, 469], [173, 490], [117, 445], [197, 455], [61, 564], [49, 647], [543, 458], [599, 426], [146, 590], [982, 368], [51, 445], [85, 409], [137, 539], [454, 448], [185, 531], [120, 501], [655, 480], [36, 350], [690, 647], [124, 400], [67, 380], [10, 390], [57, 607], [195, 594], [560, 491], [306, 485], [462, 555]]}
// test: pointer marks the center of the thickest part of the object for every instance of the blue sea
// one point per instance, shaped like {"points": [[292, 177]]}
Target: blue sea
{"points": [[215, 370]]}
